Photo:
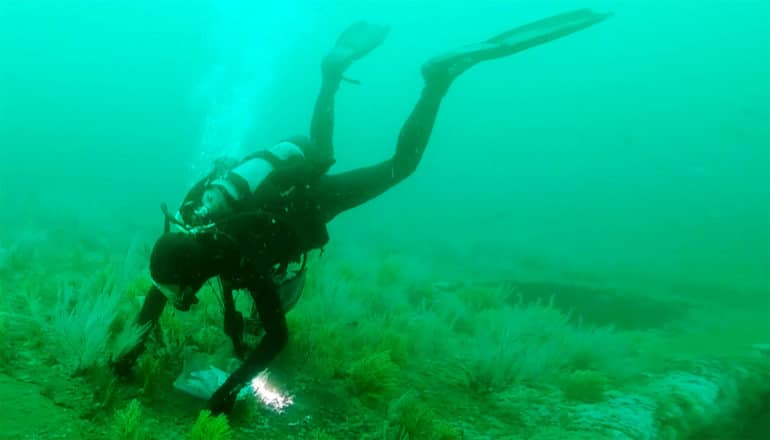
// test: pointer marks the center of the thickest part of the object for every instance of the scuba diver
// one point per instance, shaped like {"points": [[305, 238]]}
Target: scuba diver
{"points": [[248, 222]]}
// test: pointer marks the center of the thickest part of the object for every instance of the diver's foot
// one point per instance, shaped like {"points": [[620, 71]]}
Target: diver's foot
{"points": [[335, 63], [354, 43], [442, 70]]}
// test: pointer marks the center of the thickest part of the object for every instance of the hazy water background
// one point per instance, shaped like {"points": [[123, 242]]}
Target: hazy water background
{"points": [[639, 148]]}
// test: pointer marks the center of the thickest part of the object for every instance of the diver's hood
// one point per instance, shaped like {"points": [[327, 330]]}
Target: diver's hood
{"points": [[179, 266]]}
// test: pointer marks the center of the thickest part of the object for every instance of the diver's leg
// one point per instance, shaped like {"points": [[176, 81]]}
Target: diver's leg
{"points": [[356, 41], [340, 192], [445, 68], [322, 124]]}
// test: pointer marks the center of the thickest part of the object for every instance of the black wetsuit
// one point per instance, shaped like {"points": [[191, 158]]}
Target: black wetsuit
{"points": [[325, 196]]}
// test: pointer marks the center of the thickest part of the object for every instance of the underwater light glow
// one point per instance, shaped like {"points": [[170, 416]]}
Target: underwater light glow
{"points": [[269, 394]]}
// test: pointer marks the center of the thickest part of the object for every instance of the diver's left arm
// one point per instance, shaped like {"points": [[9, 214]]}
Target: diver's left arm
{"points": [[276, 336], [233, 319]]}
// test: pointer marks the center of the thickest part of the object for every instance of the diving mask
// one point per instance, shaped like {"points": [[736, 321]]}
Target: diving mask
{"points": [[181, 298]]}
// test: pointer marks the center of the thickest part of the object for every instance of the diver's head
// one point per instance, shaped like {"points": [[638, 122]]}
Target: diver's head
{"points": [[179, 265]]}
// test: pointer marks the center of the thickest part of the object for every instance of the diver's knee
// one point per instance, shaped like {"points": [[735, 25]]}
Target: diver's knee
{"points": [[403, 169]]}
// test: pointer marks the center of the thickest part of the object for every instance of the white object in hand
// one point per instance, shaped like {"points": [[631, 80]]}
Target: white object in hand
{"points": [[203, 383]]}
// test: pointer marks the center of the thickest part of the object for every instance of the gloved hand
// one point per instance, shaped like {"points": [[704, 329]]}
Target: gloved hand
{"points": [[123, 366], [124, 362], [223, 400]]}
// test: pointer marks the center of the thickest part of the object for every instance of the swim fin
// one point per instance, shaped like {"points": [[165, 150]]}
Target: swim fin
{"points": [[448, 66], [354, 43]]}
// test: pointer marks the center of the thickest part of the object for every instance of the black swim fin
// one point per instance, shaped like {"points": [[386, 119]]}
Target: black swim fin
{"points": [[448, 66], [354, 43], [361, 37]]}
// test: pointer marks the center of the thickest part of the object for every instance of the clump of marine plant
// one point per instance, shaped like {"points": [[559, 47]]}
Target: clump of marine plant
{"points": [[411, 418], [104, 385], [127, 423], [150, 373], [81, 325], [320, 434], [4, 353], [208, 427], [389, 273], [584, 386], [373, 376], [126, 340], [524, 342]]}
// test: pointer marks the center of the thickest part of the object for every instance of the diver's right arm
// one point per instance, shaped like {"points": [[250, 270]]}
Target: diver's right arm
{"points": [[148, 317]]}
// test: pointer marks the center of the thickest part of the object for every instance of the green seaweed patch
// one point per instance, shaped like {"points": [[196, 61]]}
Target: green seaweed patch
{"points": [[208, 427], [410, 418], [478, 298], [389, 273], [587, 386], [5, 353], [373, 377], [320, 434], [151, 374], [127, 424]]}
